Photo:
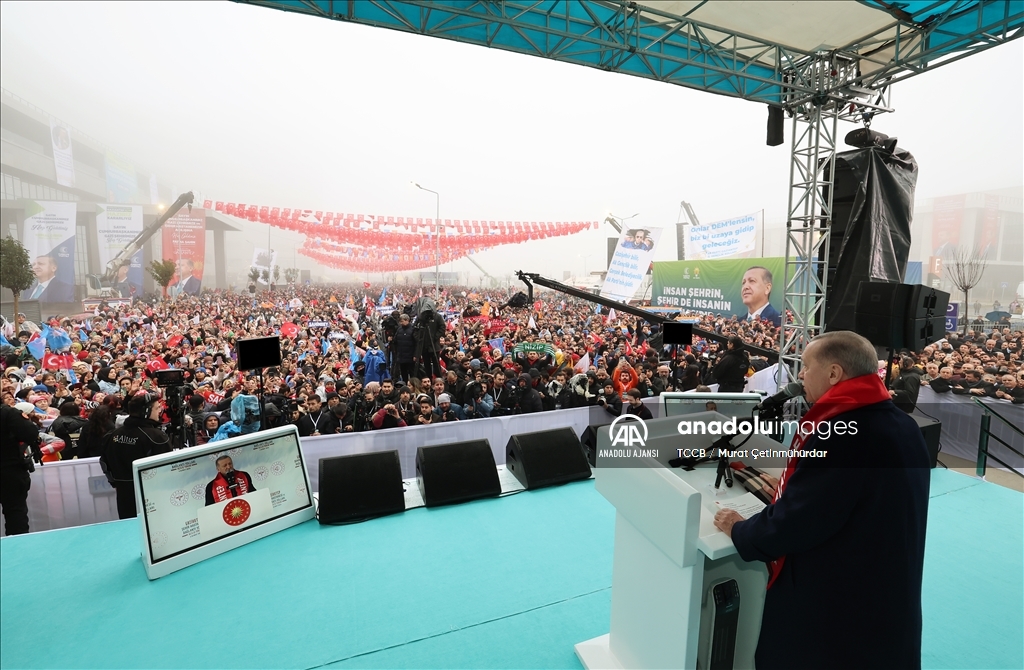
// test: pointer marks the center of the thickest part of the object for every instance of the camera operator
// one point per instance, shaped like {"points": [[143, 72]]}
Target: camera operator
{"points": [[479, 403], [528, 400], [609, 399], [139, 437], [731, 369]]}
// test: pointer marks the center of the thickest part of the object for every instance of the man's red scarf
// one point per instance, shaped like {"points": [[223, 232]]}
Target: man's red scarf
{"points": [[843, 397], [221, 492]]}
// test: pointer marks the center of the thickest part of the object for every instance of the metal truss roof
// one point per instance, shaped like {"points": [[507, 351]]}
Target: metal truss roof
{"points": [[760, 51]]}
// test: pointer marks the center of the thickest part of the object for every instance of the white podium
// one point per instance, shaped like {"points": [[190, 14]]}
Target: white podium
{"points": [[680, 592]]}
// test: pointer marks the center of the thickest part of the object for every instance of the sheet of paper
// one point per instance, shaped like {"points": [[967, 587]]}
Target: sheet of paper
{"points": [[747, 505]]}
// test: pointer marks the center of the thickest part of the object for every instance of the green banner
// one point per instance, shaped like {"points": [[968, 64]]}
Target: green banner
{"points": [[730, 287]]}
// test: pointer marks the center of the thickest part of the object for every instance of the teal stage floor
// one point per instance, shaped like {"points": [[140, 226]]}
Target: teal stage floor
{"points": [[507, 583]]}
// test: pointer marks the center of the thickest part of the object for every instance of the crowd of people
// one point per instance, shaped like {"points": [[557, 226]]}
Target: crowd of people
{"points": [[355, 358]]}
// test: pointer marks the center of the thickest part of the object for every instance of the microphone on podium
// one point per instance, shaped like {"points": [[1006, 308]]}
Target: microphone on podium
{"points": [[788, 392]]}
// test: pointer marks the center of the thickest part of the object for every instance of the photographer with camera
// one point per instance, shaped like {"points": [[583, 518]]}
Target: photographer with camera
{"points": [[479, 403], [388, 416], [609, 399], [139, 437]]}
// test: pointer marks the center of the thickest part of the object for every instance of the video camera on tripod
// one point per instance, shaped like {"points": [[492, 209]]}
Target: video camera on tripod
{"points": [[176, 393]]}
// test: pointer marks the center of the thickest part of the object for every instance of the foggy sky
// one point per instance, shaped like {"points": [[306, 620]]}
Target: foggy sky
{"points": [[253, 105]]}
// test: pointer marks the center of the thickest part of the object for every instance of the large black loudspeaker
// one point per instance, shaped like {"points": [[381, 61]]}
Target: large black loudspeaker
{"points": [[931, 429], [259, 352], [589, 441], [546, 458], [900, 316], [872, 196], [360, 486], [451, 473]]}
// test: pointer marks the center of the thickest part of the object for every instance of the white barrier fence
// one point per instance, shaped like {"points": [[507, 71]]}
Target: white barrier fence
{"points": [[75, 493]]}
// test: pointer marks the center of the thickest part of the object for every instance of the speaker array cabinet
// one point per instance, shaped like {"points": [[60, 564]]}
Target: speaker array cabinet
{"points": [[900, 316]]}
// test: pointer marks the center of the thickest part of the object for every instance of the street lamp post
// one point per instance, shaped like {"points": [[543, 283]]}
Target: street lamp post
{"points": [[437, 240]]}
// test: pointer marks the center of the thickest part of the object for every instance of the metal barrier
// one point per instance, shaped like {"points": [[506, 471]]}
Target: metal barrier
{"points": [[986, 433]]}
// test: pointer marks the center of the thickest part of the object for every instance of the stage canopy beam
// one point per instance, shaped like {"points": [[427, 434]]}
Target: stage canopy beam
{"points": [[821, 62]]}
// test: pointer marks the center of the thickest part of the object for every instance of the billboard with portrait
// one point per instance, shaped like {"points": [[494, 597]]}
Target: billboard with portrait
{"points": [[49, 238], [733, 287], [202, 501], [184, 242]]}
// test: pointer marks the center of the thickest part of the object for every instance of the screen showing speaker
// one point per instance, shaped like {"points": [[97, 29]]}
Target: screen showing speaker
{"points": [[196, 502], [258, 352]]}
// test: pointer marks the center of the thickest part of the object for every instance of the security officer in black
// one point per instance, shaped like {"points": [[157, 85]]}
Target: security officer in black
{"points": [[139, 437], [16, 433]]}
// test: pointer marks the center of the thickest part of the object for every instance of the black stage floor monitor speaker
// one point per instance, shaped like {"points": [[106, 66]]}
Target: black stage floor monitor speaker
{"points": [[589, 441], [259, 352], [931, 429], [451, 473], [360, 486], [546, 458]]}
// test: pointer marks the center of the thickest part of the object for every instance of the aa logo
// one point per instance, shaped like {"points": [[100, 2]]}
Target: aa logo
{"points": [[628, 431]]}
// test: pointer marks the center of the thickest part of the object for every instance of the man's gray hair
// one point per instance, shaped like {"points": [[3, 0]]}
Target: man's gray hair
{"points": [[850, 351]]}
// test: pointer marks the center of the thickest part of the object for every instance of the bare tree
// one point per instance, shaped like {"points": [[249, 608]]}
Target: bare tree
{"points": [[965, 271]]}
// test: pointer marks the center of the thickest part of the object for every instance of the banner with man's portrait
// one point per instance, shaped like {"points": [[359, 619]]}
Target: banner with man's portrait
{"points": [[49, 238], [744, 288], [633, 255], [116, 226], [184, 242]]}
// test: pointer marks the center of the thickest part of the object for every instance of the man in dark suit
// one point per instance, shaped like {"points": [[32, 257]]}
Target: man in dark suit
{"points": [[755, 291], [187, 282], [47, 288], [844, 537]]}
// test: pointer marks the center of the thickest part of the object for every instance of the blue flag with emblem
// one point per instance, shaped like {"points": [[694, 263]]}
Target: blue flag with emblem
{"points": [[497, 343]]}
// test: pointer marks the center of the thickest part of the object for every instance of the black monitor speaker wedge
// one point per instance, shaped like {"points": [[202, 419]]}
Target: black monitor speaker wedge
{"points": [[360, 486], [546, 458], [258, 352], [452, 473], [589, 441]]}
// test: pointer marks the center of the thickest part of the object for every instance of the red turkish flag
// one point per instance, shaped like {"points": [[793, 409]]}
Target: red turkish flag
{"points": [[156, 364], [175, 341], [366, 284], [289, 329], [51, 361]]}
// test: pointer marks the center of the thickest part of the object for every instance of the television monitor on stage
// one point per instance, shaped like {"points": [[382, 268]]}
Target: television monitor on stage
{"points": [[739, 405], [198, 502]]}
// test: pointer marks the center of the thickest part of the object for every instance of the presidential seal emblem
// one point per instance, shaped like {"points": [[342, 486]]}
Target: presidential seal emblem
{"points": [[277, 468], [179, 497], [236, 512], [261, 472]]}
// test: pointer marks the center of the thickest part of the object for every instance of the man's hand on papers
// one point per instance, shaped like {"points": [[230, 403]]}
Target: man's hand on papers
{"points": [[725, 519]]}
